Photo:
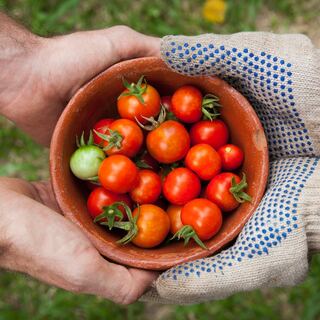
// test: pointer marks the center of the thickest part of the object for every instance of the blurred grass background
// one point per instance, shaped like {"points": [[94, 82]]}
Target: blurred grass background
{"points": [[25, 298]]}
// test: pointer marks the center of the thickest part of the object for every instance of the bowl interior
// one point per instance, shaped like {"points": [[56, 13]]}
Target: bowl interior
{"points": [[98, 99]]}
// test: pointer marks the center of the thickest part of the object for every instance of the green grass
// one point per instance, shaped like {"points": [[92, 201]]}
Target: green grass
{"points": [[24, 298]]}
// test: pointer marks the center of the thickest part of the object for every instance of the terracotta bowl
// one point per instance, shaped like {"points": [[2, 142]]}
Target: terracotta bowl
{"points": [[96, 100]]}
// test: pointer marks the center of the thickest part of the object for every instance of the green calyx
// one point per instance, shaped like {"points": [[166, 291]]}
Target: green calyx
{"points": [[153, 123], [135, 89], [82, 142], [186, 233], [114, 139], [237, 189], [210, 105], [107, 218]]}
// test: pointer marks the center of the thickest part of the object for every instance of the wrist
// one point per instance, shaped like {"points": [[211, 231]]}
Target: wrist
{"points": [[18, 50]]}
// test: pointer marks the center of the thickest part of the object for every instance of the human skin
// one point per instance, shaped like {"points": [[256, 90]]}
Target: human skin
{"points": [[38, 77]]}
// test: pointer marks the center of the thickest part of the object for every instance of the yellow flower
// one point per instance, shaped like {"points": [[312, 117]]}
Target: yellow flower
{"points": [[215, 10]]}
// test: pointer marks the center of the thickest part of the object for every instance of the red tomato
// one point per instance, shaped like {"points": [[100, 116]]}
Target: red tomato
{"points": [[166, 102], [118, 174], [203, 216], [218, 191], [204, 161], [174, 213], [153, 226], [231, 156], [187, 104], [130, 105], [169, 142], [100, 197], [148, 188], [180, 186], [213, 132], [101, 126], [124, 137]]}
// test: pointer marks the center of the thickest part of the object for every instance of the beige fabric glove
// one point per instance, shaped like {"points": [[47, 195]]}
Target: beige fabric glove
{"points": [[280, 75]]}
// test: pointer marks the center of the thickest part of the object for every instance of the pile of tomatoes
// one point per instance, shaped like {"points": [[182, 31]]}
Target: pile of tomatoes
{"points": [[164, 166]]}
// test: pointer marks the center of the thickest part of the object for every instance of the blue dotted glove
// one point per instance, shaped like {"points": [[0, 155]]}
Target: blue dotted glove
{"points": [[280, 76]]}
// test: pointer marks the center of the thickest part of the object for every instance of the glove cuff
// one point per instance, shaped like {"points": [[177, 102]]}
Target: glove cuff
{"points": [[310, 209]]}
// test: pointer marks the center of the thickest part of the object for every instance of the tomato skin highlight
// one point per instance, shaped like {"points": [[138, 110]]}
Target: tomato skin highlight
{"points": [[174, 213], [180, 186], [231, 157], [218, 191], [100, 197], [148, 188], [153, 226], [129, 107], [101, 126], [169, 142], [132, 138], [187, 104], [215, 133], [204, 216], [204, 161], [118, 174]]}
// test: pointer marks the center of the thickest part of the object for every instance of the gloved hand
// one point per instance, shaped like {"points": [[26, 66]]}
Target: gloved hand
{"points": [[280, 76]]}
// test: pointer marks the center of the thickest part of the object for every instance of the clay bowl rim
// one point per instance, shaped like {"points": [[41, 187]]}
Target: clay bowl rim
{"points": [[146, 264]]}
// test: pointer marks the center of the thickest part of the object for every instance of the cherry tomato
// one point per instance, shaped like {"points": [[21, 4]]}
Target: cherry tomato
{"points": [[203, 216], [213, 132], [100, 197], [153, 226], [180, 186], [118, 174], [148, 188], [174, 213], [218, 191], [123, 137], [169, 142], [85, 161], [139, 100], [187, 104], [167, 103], [101, 126], [204, 161], [231, 156]]}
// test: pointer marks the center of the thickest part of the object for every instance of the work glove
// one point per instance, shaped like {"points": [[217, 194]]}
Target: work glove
{"points": [[280, 76]]}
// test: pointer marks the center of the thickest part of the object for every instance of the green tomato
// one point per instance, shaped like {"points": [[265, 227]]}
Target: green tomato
{"points": [[85, 161]]}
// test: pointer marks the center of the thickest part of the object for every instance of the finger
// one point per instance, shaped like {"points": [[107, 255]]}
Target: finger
{"points": [[52, 249]]}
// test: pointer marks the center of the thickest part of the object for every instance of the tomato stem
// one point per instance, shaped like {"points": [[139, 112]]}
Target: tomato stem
{"points": [[210, 103], [153, 123], [109, 214], [82, 142], [187, 232], [237, 189], [114, 139], [135, 89], [113, 211]]}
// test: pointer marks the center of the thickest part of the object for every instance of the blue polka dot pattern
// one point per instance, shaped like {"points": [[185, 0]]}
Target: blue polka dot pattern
{"points": [[266, 81], [274, 221]]}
